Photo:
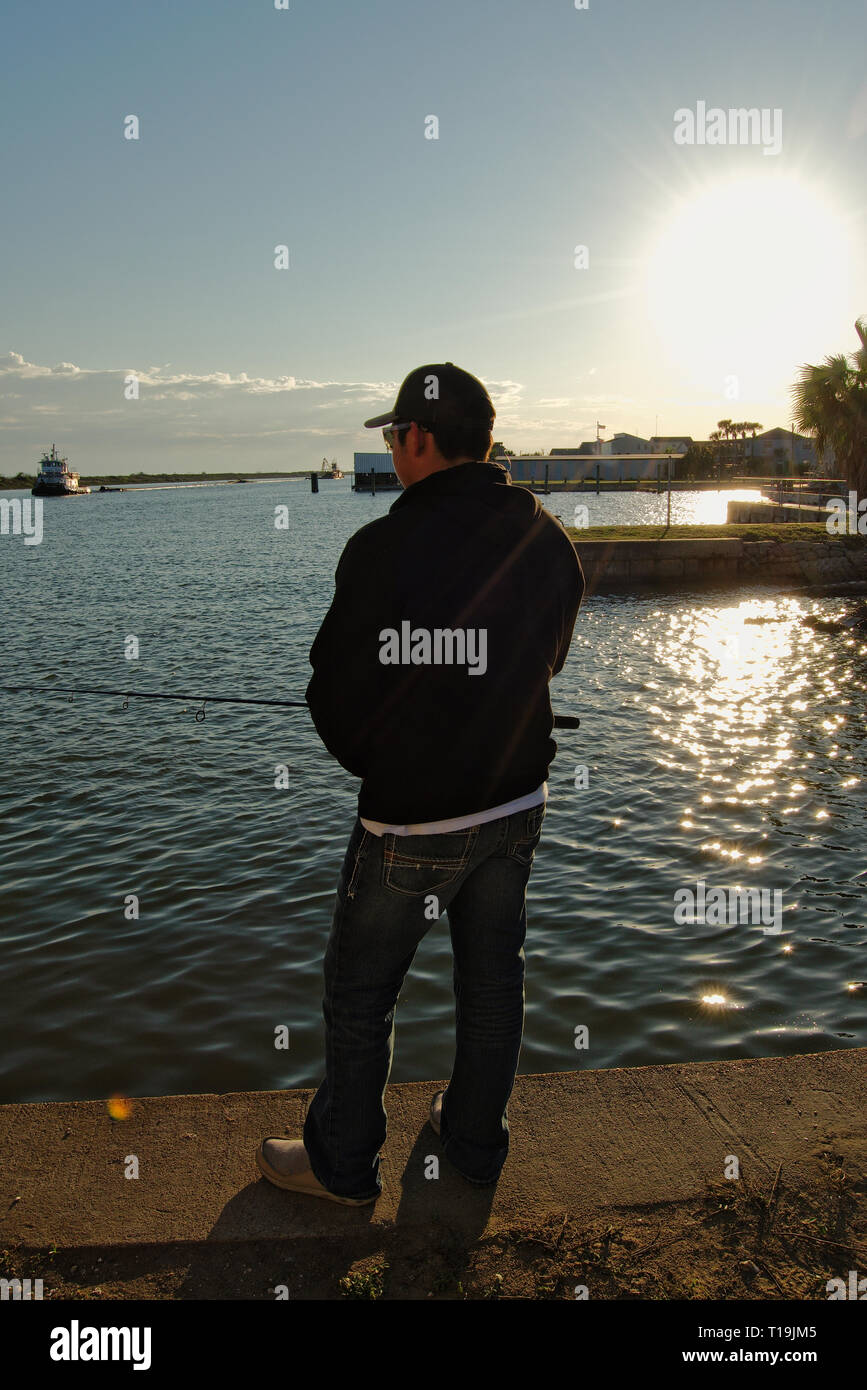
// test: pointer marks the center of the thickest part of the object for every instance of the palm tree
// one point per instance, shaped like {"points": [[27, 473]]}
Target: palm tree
{"points": [[727, 431], [831, 404], [743, 428], [753, 426]]}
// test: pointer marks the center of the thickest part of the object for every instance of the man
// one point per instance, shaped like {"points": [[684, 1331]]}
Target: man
{"points": [[430, 683]]}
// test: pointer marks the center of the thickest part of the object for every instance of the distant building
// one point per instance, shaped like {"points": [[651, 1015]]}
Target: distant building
{"points": [[670, 443], [380, 466], [620, 444], [630, 456], [626, 444], [774, 451], [577, 467], [782, 446]]}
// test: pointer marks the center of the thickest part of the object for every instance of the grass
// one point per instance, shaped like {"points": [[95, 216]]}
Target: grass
{"points": [[365, 1284]]}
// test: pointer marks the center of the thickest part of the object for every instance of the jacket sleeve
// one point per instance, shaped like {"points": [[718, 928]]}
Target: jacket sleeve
{"points": [[345, 691], [573, 593]]}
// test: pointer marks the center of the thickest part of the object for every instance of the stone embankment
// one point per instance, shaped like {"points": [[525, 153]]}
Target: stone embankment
{"points": [[633, 565]]}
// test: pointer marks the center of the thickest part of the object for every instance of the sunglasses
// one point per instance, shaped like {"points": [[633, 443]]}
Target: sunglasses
{"points": [[389, 433]]}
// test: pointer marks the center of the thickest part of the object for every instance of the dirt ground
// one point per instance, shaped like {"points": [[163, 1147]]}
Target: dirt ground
{"points": [[736, 1242]]}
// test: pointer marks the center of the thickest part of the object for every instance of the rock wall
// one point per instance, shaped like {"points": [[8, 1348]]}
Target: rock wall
{"points": [[610, 566]]}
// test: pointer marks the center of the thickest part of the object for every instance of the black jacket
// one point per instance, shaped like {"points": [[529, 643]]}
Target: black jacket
{"points": [[461, 549]]}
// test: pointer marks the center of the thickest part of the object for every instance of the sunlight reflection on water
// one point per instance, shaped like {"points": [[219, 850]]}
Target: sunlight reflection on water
{"points": [[723, 737]]}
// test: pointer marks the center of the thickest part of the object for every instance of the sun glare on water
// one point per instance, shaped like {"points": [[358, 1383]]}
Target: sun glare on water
{"points": [[749, 278]]}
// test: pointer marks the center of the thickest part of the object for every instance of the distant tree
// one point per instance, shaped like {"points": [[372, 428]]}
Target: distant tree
{"points": [[697, 462], [831, 404], [753, 426], [735, 430], [726, 432], [716, 438], [742, 428]]}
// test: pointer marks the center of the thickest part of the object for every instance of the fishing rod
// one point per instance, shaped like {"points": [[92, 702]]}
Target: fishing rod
{"points": [[561, 721]]}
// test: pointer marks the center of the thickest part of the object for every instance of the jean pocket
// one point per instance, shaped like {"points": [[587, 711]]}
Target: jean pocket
{"points": [[524, 847], [353, 865], [420, 864]]}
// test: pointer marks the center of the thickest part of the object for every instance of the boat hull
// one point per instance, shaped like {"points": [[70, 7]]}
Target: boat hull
{"points": [[57, 490]]}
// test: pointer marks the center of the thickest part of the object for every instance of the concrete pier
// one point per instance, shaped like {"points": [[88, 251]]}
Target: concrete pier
{"points": [[635, 565], [585, 1144]]}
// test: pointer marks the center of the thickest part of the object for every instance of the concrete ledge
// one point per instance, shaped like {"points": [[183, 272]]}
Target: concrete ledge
{"points": [[581, 1142], [767, 510], [633, 565]]}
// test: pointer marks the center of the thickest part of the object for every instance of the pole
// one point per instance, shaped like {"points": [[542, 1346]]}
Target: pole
{"points": [[668, 517], [561, 721]]}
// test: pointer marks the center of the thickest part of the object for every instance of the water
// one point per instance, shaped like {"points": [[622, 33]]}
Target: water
{"points": [[717, 749]]}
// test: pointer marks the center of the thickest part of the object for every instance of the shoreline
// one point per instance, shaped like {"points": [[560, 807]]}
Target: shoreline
{"points": [[141, 485]]}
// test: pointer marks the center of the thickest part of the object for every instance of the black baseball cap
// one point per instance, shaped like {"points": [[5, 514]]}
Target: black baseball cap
{"points": [[439, 393]]}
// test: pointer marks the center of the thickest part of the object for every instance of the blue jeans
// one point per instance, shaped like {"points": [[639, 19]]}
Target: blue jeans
{"points": [[392, 889]]}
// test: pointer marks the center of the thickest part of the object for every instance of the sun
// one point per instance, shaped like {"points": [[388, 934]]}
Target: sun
{"points": [[747, 279]]}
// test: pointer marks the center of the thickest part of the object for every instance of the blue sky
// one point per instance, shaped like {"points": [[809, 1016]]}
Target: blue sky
{"points": [[714, 269]]}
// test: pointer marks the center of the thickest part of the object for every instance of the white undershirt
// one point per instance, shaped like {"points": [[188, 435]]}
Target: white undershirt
{"points": [[440, 827]]}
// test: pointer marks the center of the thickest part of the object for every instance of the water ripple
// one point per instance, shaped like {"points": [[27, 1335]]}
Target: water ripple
{"points": [[724, 741]]}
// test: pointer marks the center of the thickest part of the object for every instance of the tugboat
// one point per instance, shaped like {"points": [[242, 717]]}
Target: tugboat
{"points": [[56, 479]]}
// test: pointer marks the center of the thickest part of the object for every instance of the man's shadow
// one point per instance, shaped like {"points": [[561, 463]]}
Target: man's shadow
{"points": [[268, 1243]]}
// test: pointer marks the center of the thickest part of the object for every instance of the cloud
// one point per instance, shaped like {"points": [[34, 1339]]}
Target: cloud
{"points": [[214, 420], [184, 421], [181, 385]]}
